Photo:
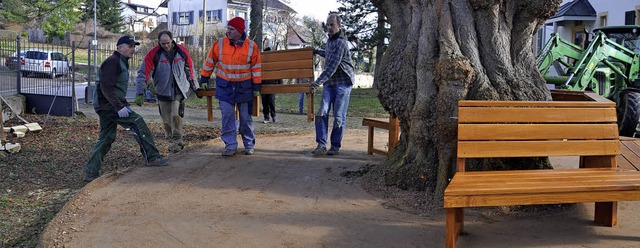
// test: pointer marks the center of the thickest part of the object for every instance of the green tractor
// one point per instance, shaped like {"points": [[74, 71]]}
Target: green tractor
{"points": [[609, 66]]}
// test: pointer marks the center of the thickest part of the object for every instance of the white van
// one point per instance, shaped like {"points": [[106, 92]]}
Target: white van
{"points": [[48, 62]]}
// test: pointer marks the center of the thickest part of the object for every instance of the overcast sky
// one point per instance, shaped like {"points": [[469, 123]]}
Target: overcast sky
{"points": [[316, 8]]}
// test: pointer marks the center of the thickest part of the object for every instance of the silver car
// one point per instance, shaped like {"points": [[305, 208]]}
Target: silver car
{"points": [[51, 63]]}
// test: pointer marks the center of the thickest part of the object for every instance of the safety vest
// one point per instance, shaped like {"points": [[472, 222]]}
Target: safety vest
{"points": [[233, 63]]}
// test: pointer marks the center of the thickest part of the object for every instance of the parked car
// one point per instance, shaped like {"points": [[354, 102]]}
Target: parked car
{"points": [[13, 60], [51, 63]]}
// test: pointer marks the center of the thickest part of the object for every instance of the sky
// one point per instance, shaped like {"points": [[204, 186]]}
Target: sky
{"points": [[319, 9]]}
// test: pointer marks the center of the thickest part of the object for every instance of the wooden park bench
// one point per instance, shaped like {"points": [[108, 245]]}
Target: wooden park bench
{"points": [[502, 129], [282, 64], [391, 124]]}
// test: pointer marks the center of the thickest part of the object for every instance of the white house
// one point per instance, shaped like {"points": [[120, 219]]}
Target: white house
{"points": [[186, 17], [139, 18], [576, 16]]}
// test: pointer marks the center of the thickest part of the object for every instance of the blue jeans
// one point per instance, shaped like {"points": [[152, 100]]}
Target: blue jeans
{"points": [[230, 125], [336, 96], [301, 103]]}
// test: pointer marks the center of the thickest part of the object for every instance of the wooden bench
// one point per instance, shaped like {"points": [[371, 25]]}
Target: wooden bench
{"points": [[391, 124], [282, 64], [501, 129]]}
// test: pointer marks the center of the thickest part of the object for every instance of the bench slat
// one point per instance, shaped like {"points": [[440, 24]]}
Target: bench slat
{"points": [[543, 115], [287, 65], [284, 74], [563, 104], [505, 149], [536, 131], [541, 198], [285, 55], [284, 88]]}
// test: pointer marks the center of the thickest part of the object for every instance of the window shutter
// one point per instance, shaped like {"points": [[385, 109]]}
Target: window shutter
{"points": [[191, 14], [219, 13], [630, 17], [199, 13], [175, 18]]}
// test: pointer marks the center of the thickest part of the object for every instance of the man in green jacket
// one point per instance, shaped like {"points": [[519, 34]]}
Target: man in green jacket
{"points": [[112, 108]]}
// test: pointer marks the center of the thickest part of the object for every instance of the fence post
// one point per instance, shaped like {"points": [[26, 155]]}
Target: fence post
{"points": [[19, 62], [74, 96], [89, 69]]}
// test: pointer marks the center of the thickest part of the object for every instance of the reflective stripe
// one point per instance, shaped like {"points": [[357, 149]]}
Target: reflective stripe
{"points": [[232, 76], [257, 74], [257, 66], [207, 67], [210, 60], [233, 67], [250, 52]]}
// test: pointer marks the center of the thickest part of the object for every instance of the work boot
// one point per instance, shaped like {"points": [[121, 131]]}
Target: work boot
{"points": [[248, 151], [320, 150], [265, 121], [88, 177], [333, 151], [228, 153], [273, 119], [159, 161]]}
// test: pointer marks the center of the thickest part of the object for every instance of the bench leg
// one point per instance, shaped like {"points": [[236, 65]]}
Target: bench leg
{"points": [[209, 109], [370, 142], [455, 223], [606, 213]]}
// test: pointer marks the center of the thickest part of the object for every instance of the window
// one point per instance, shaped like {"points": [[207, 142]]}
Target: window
{"points": [[603, 19], [214, 16], [183, 18], [630, 17]]}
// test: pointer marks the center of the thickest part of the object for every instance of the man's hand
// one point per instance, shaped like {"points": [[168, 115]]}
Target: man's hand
{"points": [[124, 112], [138, 100], [314, 85], [256, 93], [203, 86]]}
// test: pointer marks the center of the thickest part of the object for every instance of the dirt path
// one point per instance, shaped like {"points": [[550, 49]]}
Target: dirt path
{"points": [[280, 197]]}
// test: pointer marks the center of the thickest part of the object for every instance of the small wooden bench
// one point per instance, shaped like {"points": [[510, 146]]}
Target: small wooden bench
{"points": [[391, 124], [501, 129], [282, 64]]}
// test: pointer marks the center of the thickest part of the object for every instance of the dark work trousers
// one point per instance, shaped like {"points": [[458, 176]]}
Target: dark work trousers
{"points": [[268, 106], [109, 122]]}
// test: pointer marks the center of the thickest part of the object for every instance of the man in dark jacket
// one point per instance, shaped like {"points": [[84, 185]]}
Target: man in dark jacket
{"points": [[269, 100], [171, 67], [337, 78], [112, 108]]}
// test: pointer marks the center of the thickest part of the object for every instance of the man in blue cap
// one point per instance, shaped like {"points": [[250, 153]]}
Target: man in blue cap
{"points": [[113, 109]]}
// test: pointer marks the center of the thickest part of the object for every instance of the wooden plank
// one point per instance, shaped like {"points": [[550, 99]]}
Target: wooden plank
{"points": [[631, 152], [285, 74], [536, 131], [623, 163], [539, 198], [287, 65], [285, 88], [382, 123], [283, 55], [546, 104], [504, 149], [543, 115]]}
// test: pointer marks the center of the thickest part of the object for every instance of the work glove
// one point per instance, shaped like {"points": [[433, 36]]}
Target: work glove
{"points": [[138, 100], [203, 86], [256, 93], [204, 81], [315, 85], [124, 112]]}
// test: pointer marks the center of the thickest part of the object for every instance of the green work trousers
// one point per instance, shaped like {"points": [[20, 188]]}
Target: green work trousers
{"points": [[109, 121], [172, 122]]}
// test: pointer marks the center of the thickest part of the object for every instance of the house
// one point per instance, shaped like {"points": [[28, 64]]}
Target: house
{"points": [[139, 18], [576, 16], [186, 19]]}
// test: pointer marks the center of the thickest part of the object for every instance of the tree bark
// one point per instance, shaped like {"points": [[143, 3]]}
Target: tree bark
{"points": [[442, 51], [255, 24]]}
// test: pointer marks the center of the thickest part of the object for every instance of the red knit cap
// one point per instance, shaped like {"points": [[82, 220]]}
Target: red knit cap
{"points": [[237, 23]]}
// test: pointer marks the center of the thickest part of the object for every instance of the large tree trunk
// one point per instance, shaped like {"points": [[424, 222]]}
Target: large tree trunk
{"points": [[255, 25], [442, 51]]}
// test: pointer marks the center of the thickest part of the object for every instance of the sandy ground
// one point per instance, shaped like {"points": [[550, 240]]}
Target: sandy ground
{"points": [[282, 197]]}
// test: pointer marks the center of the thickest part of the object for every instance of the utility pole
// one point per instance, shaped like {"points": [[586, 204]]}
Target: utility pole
{"points": [[204, 25]]}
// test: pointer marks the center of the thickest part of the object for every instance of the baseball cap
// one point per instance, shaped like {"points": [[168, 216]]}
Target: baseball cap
{"points": [[127, 40]]}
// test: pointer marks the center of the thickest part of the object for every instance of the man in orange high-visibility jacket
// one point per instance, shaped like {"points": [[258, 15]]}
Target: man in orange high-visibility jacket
{"points": [[236, 61]]}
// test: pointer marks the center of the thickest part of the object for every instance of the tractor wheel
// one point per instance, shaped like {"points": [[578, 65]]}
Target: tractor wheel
{"points": [[630, 112]]}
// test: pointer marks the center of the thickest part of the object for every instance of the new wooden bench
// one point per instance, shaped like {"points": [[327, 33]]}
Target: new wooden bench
{"points": [[502, 129], [391, 124], [281, 64]]}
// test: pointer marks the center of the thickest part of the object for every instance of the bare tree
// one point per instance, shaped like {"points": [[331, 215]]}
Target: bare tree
{"points": [[256, 21], [442, 51]]}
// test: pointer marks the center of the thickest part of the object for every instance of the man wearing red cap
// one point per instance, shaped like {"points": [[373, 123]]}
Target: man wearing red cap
{"points": [[236, 61]]}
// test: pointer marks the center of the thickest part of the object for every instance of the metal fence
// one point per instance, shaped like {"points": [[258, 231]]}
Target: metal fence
{"points": [[69, 74]]}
